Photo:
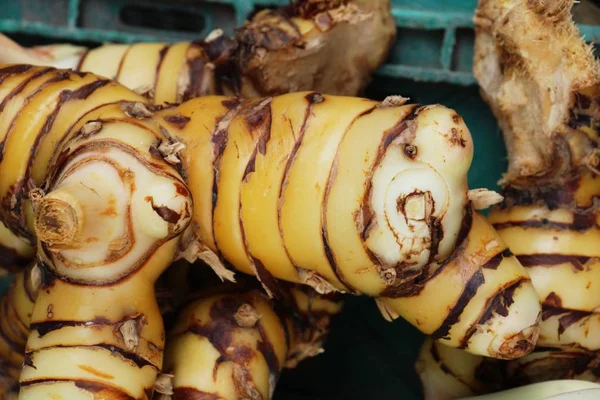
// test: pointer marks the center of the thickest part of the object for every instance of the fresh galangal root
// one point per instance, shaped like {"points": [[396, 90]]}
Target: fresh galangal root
{"points": [[326, 45], [285, 188]]}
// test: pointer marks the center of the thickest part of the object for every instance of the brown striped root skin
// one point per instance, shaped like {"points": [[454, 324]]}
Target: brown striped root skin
{"points": [[448, 373], [554, 233], [544, 94], [325, 45], [234, 345], [494, 308], [82, 174]]}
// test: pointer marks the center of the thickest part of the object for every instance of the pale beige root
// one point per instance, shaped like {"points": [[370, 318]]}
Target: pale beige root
{"points": [[448, 373], [234, 345], [542, 82], [331, 46], [326, 45], [81, 169]]}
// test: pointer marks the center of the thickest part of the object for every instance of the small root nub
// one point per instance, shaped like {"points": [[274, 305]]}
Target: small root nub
{"points": [[35, 196], [388, 275], [394, 101], [169, 150], [387, 313], [131, 337], [316, 281], [246, 316], [164, 384], [90, 128], [213, 261], [484, 198], [136, 109]]}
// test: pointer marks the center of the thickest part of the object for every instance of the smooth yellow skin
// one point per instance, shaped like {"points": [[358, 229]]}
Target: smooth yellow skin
{"points": [[198, 157], [303, 197], [138, 69], [241, 142], [167, 86], [105, 60], [260, 195]]}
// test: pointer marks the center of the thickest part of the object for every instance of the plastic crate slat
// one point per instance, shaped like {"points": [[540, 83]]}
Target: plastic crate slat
{"points": [[73, 13], [591, 33], [426, 74], [65, 33], [430, 19], [448, 48]]}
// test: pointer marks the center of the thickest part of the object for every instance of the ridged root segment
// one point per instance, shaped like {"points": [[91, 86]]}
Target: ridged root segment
{"points": [[542, 82], [312, 38], [485, 302], [448, 373], [16, 308], [291, 187], [546, 364], [82, 169], [15, 254], [234, 345], [553, 231]]}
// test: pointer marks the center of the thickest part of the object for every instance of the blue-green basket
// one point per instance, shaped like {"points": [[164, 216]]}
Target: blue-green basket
{"points": [[366, 357]]}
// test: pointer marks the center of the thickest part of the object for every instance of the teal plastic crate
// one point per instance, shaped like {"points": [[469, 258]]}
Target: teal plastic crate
{"points": [[366, 357]]}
